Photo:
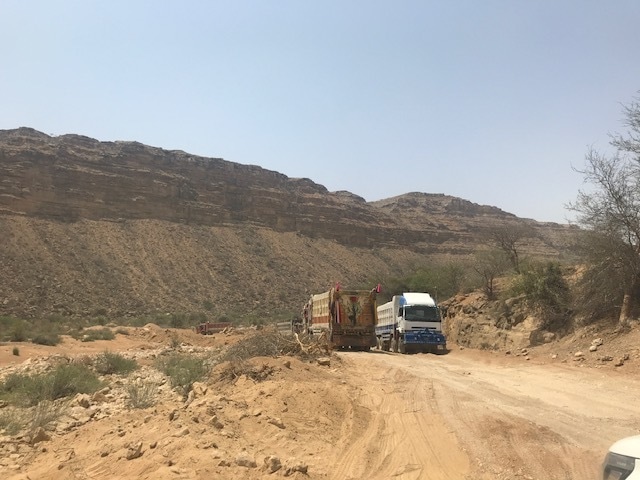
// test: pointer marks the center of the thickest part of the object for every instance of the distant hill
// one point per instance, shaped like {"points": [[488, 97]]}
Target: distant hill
{"points": [[114, 229]]}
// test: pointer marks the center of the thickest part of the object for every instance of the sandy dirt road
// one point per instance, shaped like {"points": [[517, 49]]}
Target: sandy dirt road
{"points": [[468, 415], [368, 415]]}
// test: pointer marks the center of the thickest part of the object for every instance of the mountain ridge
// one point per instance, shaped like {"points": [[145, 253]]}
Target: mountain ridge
{"points": [[72, 205]]}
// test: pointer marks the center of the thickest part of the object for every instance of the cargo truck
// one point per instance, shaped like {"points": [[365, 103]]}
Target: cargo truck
{"points": [[347, 317], [410, 322]]}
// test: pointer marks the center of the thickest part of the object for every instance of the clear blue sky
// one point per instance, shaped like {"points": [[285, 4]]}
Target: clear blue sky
{"points": [[492, 101]]}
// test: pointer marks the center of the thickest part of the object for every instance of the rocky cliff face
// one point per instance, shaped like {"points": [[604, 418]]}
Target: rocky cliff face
{"points": [[71, 177], [121, 228]]}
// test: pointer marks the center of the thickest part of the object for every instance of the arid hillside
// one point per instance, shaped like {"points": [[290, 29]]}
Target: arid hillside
{"points": [[122, 229]]}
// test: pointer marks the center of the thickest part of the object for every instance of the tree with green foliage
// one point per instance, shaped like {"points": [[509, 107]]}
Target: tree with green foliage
{"points": [[441, 280], [610, 215], [545, 289]]}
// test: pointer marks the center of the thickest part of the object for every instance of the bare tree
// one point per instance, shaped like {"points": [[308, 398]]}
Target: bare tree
{"points": [[489, 265], [611, 211], [508, 238]]}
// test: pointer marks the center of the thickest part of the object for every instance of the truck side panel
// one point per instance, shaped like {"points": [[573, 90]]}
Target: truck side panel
{"points": [[320, 312]]}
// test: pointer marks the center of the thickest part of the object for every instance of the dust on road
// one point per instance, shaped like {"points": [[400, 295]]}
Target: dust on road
{"points": [[368, 415], [468, 415]]}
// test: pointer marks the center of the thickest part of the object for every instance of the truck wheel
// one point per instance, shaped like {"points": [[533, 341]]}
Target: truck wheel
{"points": [[394, 345], [402, 348]]}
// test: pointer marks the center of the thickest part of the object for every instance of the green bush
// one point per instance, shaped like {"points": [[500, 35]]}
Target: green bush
{"points": [[12, 421], [63, 381], [178, 320], [543, 285], [18, 332], [183, 370], [98, 334], [16, 351], [108, 363], [50, 339]]}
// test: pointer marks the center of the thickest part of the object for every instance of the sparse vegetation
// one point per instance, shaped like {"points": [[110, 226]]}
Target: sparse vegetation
{"points": [[441, 280], [609, 213], [108, 363], [174, 342], [183, 370], [63, 381], [16, 351], [271, 343], [97, 334], [489, 265], [207, 305], [142, 395], [18, 335], [18, 331], [12, 421], [544, 286], [45, 413], [50, 339], [15, 420]]}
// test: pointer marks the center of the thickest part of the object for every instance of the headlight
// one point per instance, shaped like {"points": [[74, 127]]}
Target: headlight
{"points": [[617, 467]]}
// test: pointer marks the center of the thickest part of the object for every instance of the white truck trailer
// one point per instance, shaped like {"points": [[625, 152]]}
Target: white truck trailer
{"points": [[410, 322]]}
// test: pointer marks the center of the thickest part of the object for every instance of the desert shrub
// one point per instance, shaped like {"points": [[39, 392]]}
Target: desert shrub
{"points": [[174, 341], [108, 363], [50, 339], [178, 320], [269, 342], [45, 413], [12, 421], [19, 332], [142, 395], [15, 420], [16, 351], [98, 334], [196, 318], [137, 321], [544, 286], [183, 370], [546, 290], [63, 381], [122, 331]]}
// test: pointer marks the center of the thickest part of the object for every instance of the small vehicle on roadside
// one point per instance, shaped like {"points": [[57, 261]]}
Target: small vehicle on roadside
{"points": [[622, 461]]}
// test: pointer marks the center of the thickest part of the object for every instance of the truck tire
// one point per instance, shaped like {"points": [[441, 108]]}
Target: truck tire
{"points": [[394, 345], [402, 348]]}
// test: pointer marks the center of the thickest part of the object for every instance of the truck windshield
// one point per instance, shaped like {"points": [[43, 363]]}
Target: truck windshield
{"points": [[421, 314]]}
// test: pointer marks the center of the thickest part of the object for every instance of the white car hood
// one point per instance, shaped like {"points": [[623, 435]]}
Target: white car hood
{"points": [[629, 447]]}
